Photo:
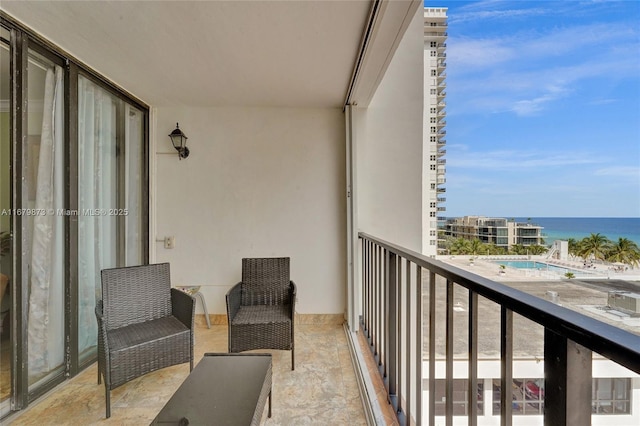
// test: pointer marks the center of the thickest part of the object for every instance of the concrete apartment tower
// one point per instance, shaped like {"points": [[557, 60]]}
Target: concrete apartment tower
{"points": [[435, 36]]}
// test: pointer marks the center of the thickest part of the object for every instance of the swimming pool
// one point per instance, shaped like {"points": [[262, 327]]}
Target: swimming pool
{"points": [[532, 264]]}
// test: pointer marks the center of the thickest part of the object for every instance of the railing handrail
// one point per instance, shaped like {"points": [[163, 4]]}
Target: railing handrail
{"points": [[614, 343]]}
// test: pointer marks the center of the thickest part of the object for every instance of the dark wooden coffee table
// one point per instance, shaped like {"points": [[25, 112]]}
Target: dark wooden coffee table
{"points": [[223, 389]]}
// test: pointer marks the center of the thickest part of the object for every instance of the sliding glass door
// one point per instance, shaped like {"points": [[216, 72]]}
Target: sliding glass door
{"points": [[110, 188], [43, 230], [73, 201]]}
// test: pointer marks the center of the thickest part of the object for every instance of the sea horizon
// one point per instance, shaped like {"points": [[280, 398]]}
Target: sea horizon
{"points": [[563, 228]]}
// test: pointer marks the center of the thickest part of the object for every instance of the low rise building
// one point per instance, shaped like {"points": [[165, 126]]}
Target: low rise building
{"points": [[491, 230]]}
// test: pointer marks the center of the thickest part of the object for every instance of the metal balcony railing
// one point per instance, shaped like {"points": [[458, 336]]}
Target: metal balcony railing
{"points": [[397, 282]]}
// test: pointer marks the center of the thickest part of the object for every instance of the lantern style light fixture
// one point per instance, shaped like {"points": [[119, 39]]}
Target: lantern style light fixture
{"points": [[179, 141]]}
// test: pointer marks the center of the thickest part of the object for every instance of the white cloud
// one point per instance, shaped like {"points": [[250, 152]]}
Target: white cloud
{"points": [[620, 171], [513, 160]]}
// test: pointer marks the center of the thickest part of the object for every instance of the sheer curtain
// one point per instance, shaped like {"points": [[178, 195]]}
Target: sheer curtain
{"points": [[46, 279], [96, 190]]}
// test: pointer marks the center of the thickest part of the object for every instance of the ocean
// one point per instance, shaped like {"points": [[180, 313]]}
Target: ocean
{"points": [[562, 228]]}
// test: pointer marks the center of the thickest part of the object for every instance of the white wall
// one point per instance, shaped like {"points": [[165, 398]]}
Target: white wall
{"points": [[389, 146], [259, 182]]}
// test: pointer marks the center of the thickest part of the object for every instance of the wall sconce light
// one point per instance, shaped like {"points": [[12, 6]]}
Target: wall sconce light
{"points": [[179, 141]]}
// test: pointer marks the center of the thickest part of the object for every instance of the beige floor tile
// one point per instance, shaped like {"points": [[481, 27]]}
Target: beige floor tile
{"points": [[321, 390]]}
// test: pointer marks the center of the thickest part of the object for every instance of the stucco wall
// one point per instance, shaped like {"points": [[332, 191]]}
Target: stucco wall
{"points": [[259, 182], [389, 145]]}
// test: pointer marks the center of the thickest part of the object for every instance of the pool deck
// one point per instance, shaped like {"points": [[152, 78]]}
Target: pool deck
{"points": [[488, 267]]}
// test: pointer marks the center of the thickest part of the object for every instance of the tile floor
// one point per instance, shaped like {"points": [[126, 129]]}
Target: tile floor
{"points": [[322, 390]]}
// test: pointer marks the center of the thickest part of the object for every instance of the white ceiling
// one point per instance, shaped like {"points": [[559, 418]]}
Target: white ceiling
{"points": [[210, 53]]}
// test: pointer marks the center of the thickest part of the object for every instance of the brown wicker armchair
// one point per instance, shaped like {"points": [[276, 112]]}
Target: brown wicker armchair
{"points": [[260, 308], [143, 325]]}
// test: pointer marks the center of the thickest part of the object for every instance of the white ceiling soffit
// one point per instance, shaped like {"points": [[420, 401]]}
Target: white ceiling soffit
{"points": [[388, 21], [210, 53]]}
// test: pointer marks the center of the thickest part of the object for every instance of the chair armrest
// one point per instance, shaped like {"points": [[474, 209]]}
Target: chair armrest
{"points": [[234, 298], [292, 294], [183, 307], [103, 342]]}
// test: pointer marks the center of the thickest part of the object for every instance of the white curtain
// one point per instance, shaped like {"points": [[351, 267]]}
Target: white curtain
{"points": [[96, 190], [46, 279]]}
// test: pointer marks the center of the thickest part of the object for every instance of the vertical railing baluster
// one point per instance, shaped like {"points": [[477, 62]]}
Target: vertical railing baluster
{"points": [[381, 317], [432, 348], [376, 305], [419, 348], [400, 341], [472, 389], [449, 333], [408, 394], [391, 330], [506, 366], [365, 287]]}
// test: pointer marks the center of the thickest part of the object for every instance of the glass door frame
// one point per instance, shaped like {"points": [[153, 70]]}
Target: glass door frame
{"points": [[22, 40], [21, 45]]}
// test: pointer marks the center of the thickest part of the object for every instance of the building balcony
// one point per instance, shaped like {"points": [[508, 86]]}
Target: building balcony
{"points": [[441, 199], [324, 372]]}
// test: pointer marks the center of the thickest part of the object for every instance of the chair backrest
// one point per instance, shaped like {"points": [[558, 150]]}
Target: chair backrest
{"points": [[265, 281], [135, 294]]}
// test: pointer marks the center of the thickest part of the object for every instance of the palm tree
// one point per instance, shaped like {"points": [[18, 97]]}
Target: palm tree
{"points": [[492, 249], [624, 251], [595, 245], [518, 249], [460, 246], [476, 247], [573, 247], [537, 249]]}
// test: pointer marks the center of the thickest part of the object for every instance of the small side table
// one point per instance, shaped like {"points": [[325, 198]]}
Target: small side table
{"points": [[194, 290]]}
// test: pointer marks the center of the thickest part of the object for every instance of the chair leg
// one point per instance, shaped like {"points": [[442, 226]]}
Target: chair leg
{"points": [[107, 395], [293, 364]]}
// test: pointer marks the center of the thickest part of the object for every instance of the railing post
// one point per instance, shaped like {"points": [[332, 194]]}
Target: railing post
{"points": [[448, 375], [506, 366], [419, 349], [432, 348], [473, 359], [391, 332], [567, 381]]}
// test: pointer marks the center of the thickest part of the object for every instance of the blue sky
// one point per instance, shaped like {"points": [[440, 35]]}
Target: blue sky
{"points": [[543, 108]]}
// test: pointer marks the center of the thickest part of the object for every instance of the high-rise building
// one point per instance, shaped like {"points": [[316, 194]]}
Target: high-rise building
{"points": [[435, 36]]}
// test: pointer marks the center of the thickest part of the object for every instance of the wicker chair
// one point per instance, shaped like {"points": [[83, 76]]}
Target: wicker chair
{"points": [[143, 325], [260, 308]]}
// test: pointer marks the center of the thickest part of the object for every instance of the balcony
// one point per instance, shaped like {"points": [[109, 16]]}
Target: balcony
{"points": [[324, 372], [443, 340], [437, 338]]}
